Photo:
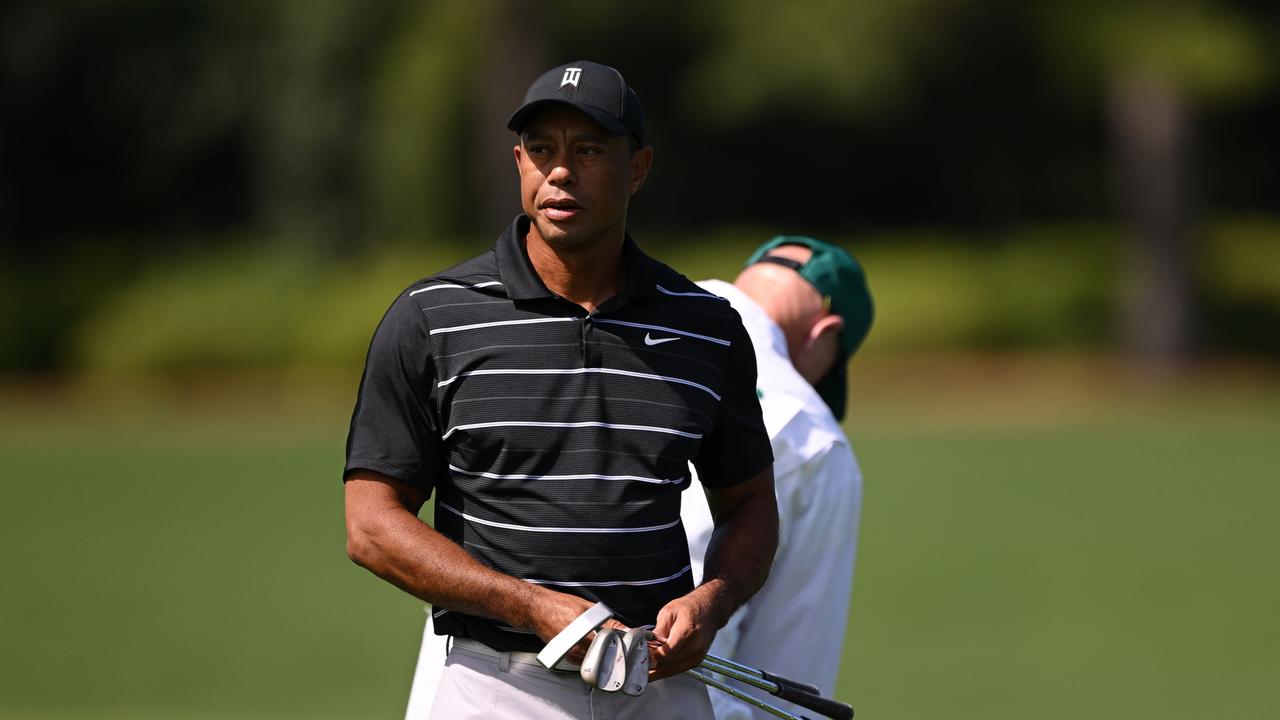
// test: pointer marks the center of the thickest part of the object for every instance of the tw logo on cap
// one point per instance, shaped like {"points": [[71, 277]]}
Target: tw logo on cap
{"points": [[571, 76]]}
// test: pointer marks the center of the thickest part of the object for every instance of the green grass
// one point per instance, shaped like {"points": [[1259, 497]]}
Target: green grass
{"points": [[1068, 574], [160, 565], [191, 582]]}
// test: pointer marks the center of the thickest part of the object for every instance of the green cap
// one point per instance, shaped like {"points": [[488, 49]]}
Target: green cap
{"points": [[843, 286]]}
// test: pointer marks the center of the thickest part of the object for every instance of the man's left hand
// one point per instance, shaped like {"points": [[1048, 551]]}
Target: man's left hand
{"points": [[684, 631], [737, 562]]}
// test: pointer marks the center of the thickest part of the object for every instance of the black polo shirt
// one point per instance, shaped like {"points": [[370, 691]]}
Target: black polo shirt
{"points": [[557, 441]]}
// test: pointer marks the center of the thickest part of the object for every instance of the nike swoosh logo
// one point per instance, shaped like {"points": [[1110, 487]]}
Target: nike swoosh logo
{"points": [[650, 341]]}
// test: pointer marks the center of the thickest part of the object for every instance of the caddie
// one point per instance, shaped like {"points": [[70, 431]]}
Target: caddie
{"points": [[807, 307]]}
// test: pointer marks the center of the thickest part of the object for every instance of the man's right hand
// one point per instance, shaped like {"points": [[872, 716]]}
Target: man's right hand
{"points": [[552, 612], [385, 535]]}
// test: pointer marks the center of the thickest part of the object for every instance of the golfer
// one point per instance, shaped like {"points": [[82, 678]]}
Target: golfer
{"points": [[551, 393], [806, 305]]}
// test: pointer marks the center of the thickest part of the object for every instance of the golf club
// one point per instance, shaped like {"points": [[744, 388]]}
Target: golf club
{"points": [[612, 655], [636, 646], [605, 664], [561, 644], [748, 699], [762, 674], [801, 694]]}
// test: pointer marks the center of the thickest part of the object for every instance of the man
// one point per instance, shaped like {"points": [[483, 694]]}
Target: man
{"points": [[806, 306], [552, 393]]}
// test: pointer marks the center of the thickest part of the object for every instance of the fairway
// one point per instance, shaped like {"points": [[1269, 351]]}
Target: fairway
{"points": [[161, 566], [1067, 574]]}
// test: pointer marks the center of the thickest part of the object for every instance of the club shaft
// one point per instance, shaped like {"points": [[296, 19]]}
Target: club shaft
{"points": [[752, 701], [780, 687], [739, 666], [770, 677], [729, 671]]}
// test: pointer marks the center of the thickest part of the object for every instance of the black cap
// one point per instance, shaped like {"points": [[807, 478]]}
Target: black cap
{"points": [[597, 90]]}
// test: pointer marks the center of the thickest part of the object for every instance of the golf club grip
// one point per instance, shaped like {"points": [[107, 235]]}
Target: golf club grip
{"points": [[782, 682], [830, 708]]}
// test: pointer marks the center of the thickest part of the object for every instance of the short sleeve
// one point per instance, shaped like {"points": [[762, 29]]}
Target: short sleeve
{"points": [[395, 428], [737, 448]]}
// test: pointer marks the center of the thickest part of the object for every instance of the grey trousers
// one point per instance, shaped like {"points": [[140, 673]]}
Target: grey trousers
{"points": [[484, 686]]}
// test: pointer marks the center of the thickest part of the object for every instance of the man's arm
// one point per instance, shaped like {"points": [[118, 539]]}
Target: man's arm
{"points": [[737, 564], [385, 536], [394, 453]]}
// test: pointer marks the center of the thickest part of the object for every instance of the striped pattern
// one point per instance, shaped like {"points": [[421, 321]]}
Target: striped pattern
{"points": [[541, 424], [567, 436], [560, 530], [581, 371], [580, 476], [613, 583]]}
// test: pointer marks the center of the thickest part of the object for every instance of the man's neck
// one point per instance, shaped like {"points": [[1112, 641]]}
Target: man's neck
{"points": [[588, 275]]}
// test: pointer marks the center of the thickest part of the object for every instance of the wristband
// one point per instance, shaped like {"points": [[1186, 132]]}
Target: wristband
{"points": [[563, 642]]}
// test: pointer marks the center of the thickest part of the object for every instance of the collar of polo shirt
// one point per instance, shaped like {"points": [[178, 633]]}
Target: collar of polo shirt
{"points": [[522, 282]]}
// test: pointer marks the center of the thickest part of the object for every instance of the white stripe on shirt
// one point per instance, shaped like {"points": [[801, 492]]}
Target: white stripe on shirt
{"points": [[610, 583], [579, 371], [456, 287], [536, 423], [531, 528], [476, 326], [585, 476], [689, 294]]}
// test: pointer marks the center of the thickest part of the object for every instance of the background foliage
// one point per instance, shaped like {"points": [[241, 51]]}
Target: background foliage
{"points": [[143, 139]]}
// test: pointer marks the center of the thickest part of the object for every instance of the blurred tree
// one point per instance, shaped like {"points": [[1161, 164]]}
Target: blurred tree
{"points": [[134, 131], [324, 124], [437, 151], [1155, 62], [385, 121], [829, 57], [1151, 61], [124, 118], [310, 120]]}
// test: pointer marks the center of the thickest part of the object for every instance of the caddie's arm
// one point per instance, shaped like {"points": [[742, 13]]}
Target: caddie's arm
{"points": [[385, 535], [737, 564]]}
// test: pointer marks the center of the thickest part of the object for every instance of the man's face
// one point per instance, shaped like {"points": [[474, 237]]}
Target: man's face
{"points": [[575, 177]]}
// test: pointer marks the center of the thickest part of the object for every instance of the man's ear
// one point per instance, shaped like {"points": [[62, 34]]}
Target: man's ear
{"points": [[641, 161], [819, 348], [824, 326], [517, 151]]}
